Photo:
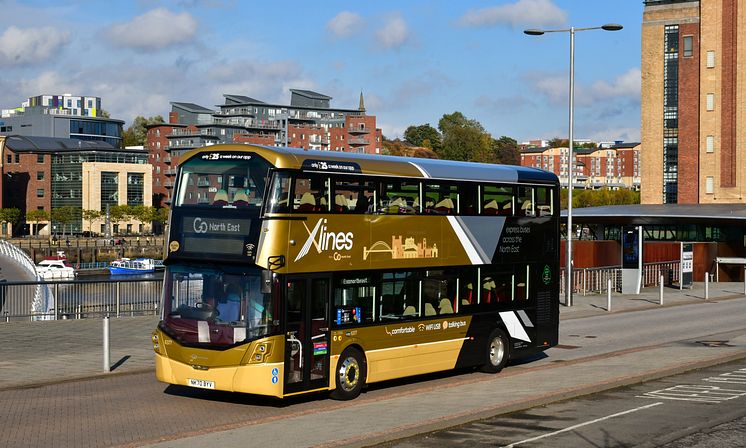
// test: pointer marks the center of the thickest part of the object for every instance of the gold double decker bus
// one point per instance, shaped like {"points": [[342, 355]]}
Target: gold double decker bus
{"points": [[292, 271]]}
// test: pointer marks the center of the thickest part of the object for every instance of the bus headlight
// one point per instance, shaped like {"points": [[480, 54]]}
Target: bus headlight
{"points": [[261, 351], [156, 344]]}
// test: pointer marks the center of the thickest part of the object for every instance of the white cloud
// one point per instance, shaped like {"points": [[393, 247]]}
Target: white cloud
{"points": [[345, 24], [30, 45], [155, 30], [394, 33], [523, 13], [624, 86], [392, 131]]}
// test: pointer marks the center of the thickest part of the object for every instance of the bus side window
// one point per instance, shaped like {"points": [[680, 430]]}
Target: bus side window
{"points": [[497, 200], [544, 203], [525, 202], [467, 290]]}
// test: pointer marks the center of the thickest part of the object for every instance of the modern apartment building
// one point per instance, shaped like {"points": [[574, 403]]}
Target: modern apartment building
{"points": [[62, 116], [692, 102], [46, 173], [307, 122], [615, 166]]}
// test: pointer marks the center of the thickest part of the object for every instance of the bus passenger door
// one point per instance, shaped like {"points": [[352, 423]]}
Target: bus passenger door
{"points": [[307, 334]]}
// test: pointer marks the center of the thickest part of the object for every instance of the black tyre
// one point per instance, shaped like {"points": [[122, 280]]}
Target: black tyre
{"points": [[349, 376], [496, 352]]}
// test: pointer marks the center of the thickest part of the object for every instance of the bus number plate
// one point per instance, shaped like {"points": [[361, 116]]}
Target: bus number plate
{"points": [[202, 384]]}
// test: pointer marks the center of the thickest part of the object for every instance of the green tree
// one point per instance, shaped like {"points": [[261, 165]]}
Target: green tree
{"points": [[11, 216], [35, 217], [65, 215], [90, 216], [136, 134], [104, 113], [423, 135], [506, 151], [464, 139], [120, 213]]}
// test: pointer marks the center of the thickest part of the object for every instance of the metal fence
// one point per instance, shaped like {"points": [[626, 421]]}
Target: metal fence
{"points": [[80, 299], [594, 280]]}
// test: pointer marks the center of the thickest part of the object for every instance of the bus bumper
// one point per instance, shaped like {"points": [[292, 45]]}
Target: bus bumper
{"points": [[261, 379]]}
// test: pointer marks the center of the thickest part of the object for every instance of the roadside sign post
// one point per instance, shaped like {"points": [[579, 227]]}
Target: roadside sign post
{"points": [[107, 352], [631, 259], [686, 279]]}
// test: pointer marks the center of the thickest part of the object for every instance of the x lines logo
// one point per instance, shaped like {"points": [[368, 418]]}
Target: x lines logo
{"points": [[322, 239]]}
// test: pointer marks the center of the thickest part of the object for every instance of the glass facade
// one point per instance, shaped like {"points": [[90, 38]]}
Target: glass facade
{"points": [[97, 130], [109, 189], [67, 180], [671, 115], [135, 188]]}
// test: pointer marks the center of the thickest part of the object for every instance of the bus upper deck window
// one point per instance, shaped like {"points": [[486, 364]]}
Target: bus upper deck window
{"points": [[279, 194]]}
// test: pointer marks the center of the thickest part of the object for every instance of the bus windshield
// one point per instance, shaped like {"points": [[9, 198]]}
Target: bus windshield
{"points": [[215, 307], [222, 181]]}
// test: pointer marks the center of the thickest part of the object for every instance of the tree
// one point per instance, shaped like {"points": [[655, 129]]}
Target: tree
{"points": [[104, 113], [464, 139], [65, 215], [423, 135], [11, 216], [143, 214], [119, 213], [90, 216], [36, 216], [136, 134], [506, 151]]}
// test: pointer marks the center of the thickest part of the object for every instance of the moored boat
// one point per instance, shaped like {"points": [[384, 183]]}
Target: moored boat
{"points": [[56, 268], [128, 266]]}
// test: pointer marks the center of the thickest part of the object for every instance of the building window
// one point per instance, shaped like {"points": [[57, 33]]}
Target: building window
{"points": [[688, 46], [40, 175], [10, 158], [710, 101], [135, 188], [40, 158], [109, 189], [18, 158], [710, 185], [710, 59], [39, 192], [710, 143]]}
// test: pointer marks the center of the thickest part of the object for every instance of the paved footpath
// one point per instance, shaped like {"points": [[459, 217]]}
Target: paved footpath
{"points": [[36, 353]]}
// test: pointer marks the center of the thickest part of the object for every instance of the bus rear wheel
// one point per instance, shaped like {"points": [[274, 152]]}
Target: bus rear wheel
{"points": [[497, 352], [350, 375]]}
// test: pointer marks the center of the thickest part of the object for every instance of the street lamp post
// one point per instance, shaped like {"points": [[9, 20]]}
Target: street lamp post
{"points": [[571, 155]]}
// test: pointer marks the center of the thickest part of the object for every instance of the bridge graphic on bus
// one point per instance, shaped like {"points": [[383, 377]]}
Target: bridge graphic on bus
{"points": [[407, 250]]}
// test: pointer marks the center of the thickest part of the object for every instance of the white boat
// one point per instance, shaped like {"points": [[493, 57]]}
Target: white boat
{"points": [[136, 266], [55, 268]]}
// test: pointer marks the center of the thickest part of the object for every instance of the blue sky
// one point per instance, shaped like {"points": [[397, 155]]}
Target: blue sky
{"points": [[414, 61]]}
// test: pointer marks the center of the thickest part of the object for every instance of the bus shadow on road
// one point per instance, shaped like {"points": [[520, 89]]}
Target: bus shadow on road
{"points": [[240, 398]]}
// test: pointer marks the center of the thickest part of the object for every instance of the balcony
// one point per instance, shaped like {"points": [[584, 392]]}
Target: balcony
{"points": [[170, 172], [167, 160], [358, 130], [168, 184], [358, 141]]}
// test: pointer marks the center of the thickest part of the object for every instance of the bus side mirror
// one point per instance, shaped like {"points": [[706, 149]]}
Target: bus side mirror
{"points": [[266, 282]]}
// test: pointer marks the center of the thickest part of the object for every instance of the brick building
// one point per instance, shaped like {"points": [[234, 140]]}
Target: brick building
{"points": [[44, 173], [616, 166], [691, 115], [307, 122]]}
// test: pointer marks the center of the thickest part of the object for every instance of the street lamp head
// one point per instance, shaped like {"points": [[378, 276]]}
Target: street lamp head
{"points": [[533, 32], [612, 27]]}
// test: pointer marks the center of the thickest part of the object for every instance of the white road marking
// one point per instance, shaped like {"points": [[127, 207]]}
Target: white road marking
{"points": [[688, 392], [579, 425]]}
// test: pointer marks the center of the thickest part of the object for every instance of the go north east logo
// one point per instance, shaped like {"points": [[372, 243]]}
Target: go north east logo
{"points": [[324, 240]]}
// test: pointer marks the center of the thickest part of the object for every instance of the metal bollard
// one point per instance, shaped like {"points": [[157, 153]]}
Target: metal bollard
{"points": [[707, 288], [107, 353], [608, 295], [660, 290]]}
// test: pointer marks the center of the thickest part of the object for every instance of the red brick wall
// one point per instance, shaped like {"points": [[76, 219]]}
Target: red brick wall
{"points": [[728, 101], [688, 187]]}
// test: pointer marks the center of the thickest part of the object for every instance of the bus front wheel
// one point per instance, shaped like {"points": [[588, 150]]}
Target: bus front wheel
{"points": [[350, 375], [497, 352]]}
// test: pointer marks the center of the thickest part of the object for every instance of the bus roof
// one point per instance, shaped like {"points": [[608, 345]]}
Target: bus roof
{"points": [[297, 158]]}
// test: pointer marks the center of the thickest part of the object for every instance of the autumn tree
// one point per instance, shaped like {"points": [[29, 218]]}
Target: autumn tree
{"points": [[464, 139], [506, 151], [423, 135], [136, 134]]}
